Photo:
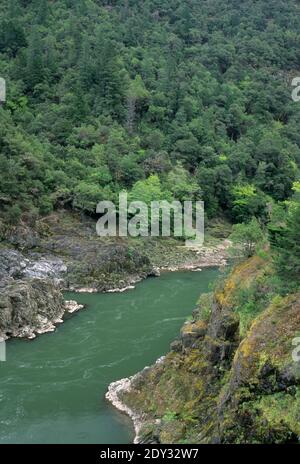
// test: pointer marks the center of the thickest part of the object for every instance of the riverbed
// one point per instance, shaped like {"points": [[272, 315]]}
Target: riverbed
{"points": [[52, 389]]}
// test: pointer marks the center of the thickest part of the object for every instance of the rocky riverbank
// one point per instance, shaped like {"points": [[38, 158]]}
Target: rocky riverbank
{"points": [[230, 376], [117, 390], [63, 252]]}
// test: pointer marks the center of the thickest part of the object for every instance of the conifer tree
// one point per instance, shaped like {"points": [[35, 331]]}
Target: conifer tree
{"points": [[288, 247], [34, 65]]}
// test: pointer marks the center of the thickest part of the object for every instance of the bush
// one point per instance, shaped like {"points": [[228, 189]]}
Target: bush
{"points": [[13, 215], [246, 237], [287, 246]]}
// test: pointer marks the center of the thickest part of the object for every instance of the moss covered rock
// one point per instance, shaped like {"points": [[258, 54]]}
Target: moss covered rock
{"points": [[261, 400]]}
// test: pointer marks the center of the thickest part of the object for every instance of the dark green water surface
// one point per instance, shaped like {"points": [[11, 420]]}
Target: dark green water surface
{"points": [[52, 389]]}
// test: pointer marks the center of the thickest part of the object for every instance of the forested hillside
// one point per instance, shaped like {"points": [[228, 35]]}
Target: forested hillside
{"points": [[190, 99], [165, 99]]}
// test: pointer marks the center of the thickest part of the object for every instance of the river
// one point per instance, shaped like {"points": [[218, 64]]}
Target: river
{"points": [[52, 389]]}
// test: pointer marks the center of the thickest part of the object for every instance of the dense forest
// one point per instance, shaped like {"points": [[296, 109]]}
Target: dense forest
{"points": [[185, 100]]}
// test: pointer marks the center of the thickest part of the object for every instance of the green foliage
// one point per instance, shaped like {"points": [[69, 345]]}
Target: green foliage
{"points": [[287, 248], [248, 202], [170, 416], [204, 306], [149, 190], [182, 185], [14, 214], [102, 95], [253, 298], [88, 195], [246, 237]]}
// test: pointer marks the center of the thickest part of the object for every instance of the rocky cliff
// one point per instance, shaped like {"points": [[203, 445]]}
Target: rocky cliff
{"points": [[31, 301], [28, 308], [230, 377]]}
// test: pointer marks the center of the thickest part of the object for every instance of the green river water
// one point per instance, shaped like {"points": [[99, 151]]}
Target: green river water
{"points": [[52, 390]]}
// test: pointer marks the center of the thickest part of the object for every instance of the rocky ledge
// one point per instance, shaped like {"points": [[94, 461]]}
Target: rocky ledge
{"points": [[201, 257], [29, 308], [117, 390]]}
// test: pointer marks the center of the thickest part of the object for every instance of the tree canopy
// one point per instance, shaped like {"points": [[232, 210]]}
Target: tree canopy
{"points": [[102, 95]]}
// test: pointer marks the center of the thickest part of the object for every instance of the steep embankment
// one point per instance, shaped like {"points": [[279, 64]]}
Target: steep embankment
{"points": [[230, 378]]}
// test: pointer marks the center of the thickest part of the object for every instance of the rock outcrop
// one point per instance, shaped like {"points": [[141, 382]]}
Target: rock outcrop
{"points": [[28, 308], [14, 264], [261, 402], [31, 301], [93, 263]]}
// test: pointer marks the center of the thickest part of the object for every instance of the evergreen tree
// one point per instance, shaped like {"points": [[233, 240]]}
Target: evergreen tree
{"points": [[42, 9], [287, 246], [204, 84], [12, 36], [109, 81], [34, 66], [86, 70], [137, 93]]}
